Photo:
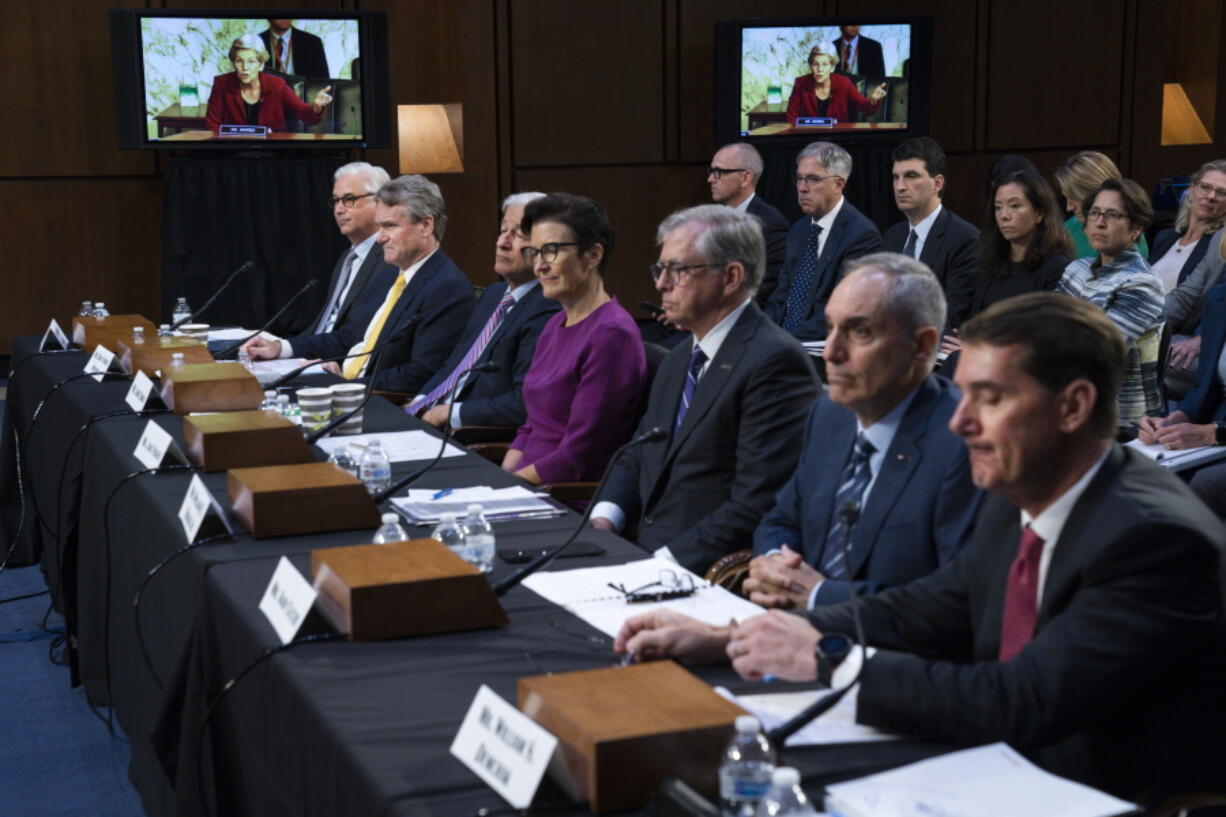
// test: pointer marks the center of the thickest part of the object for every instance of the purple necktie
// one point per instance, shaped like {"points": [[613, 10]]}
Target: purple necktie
{"points": [[474, 352]]}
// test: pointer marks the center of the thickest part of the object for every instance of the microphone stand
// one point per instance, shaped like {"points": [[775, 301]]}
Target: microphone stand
{"points": [[416, 475], [244, 268], [288, 376], [500, 589], [849, 514], [309, 285]]}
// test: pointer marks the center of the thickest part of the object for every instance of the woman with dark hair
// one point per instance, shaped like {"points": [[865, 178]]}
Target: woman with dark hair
{"points": [[1028, 248], [1120, 282], [582, 392], [248, 96], [822, 92]]}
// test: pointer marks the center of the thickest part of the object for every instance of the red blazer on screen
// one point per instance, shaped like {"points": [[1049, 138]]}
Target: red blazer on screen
{"points": [[843, 97], [226, 106]]}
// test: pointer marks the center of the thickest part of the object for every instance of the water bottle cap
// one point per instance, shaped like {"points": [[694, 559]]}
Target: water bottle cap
{"points": [[176, 356], [747, 724], [390, 519], [270, 394], [476, 507], [785, 776], [164, 326], [447, 517], [138, 330], [99, 304]]}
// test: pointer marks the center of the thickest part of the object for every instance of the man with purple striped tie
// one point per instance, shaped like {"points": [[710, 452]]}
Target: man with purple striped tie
{"points": [[877, 439], [502, 330]]}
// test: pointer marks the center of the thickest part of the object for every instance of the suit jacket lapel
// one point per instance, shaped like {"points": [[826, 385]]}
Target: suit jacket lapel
{"points": [[718, 372], [998, 529], [360, 279], [936, 236], [412, 290], [842, 437]]}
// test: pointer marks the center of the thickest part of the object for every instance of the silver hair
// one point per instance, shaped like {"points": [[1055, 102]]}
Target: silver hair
{"points": [[249, 42], [747, 157], [519, 199], [419, 196], [835, 159], [373, 177], [727, 236], [914, 295]]}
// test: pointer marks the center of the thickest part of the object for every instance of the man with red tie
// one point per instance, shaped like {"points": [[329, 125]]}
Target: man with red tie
{"points": [[1083, 624]]}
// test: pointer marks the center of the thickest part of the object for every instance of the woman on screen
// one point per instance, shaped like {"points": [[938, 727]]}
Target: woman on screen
{"points": [[825, 93], [248, 96]]}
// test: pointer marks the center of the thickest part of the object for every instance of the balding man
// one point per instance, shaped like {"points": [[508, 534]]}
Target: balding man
{"points": [[1083, 625], [733, 175], [878, 440]]}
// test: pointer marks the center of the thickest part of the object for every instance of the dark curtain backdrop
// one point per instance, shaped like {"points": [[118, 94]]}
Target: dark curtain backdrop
{"points": [[868, 188], [222, 211]]}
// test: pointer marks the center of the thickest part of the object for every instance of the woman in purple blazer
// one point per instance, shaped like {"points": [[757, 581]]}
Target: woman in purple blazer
{"points": [[583, 390], [825, 93]]}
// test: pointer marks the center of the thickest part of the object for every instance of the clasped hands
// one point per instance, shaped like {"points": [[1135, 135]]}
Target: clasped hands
{"points": [[1175, 431], [781, 579]]}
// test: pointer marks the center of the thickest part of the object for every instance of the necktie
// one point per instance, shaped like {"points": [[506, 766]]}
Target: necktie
{"points": [[802, 280], [354, 366], [909, 247], [856, 476], [281, 55], [328, 322], [846, 58], [1021, 596], [474, 352], [697, 359]]}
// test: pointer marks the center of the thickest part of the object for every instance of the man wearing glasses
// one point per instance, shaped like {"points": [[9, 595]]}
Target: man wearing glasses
{"points": [[733, 176], [831, 232], [361, 277], [733, 400]]}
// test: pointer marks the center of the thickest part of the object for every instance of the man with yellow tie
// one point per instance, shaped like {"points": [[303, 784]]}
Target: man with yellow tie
{"points": [[430, 293]]}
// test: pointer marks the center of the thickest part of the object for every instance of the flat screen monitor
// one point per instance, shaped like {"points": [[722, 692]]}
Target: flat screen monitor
{"points": [[225, 79], [822, 78]]}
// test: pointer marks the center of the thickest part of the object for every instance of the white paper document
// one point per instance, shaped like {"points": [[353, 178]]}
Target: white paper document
{"points": [[988, 780], [1181, 459], [836, 725], [267, 371], [233, 333], [401, 446], [421, 507], [586, 593]]}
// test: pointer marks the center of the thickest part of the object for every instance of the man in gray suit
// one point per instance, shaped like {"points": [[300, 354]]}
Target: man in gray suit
{"points": [[733, 399]]}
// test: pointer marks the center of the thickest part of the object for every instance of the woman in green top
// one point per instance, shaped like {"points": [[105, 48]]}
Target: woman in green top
{"points": [[1077, 177]]}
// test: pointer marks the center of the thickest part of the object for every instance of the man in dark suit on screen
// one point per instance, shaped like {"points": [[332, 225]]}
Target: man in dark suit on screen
{"points": [[733, 175], [732, 399], [1084, 623], [857, 54], [878, 437], [502, 330], [294, 51], [930, 232], [831, 232], [429, 301]]}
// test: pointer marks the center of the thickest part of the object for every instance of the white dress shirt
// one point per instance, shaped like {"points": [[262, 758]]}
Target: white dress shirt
{"points": [[826, 222], [360, 251], [922, 229]]}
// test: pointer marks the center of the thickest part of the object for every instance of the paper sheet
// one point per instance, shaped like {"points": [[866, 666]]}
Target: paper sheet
{"points": [[233, 333], [401, 446], [1181, 459], [586, 593], [837, 725], [991, 779], [420, 506], [267, 371]]}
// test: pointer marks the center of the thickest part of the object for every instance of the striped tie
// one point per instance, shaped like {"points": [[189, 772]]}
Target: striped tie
{"points": [[354, 366], [802, 281], [856, 476], [691, 382], [328, 322], [474, 352]]}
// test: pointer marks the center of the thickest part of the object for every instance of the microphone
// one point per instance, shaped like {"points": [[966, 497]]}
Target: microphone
{"points": [[413, 477], [378, 347], [651, 435], [311, 284], [246, 267], [849, 515]]}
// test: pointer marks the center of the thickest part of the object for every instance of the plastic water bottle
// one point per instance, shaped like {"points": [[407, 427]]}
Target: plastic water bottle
{"points": [[390, 530], [745, 772], [376, 468], [478, 539], [244, 357], [176, 360], [343, 459], [182, 313], [138, 334], [100, 310], [270, 402], [164, 330], [87, 309], [449, 532], [785, 798]]}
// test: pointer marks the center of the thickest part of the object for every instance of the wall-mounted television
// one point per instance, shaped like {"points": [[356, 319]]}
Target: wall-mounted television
{"points": [[822, 78], [214, 79]]}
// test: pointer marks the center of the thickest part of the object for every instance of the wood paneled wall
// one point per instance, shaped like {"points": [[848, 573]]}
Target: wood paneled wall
{"points": [[612, 100]]}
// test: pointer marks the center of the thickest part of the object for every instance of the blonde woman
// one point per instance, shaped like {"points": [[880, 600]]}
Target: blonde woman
{"points": [[1080, 175]]}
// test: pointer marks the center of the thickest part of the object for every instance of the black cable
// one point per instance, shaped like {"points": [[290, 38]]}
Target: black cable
{"points": [[26, 596], [225, 690]]}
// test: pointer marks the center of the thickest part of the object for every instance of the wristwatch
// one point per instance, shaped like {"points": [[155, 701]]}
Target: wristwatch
{"points": [[831, 649], [1219, 432]]}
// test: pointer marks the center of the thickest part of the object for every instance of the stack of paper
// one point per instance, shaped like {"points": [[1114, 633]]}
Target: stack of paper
{"points": [[1182, 459], [401, 446], [267, 371], [421, 507], [990, 779]]}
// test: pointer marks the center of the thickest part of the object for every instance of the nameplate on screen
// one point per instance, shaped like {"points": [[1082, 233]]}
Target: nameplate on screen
{"points": [[287, 600], [54, 339], [816, 122], [200, 505], [244, 131], [103, 362], [504, 747]]}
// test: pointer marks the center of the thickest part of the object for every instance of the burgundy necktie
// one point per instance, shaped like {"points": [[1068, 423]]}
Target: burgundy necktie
{"points": [[1021, 596]]}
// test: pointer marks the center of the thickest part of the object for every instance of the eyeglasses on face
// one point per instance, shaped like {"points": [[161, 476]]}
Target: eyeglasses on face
{"points": [[721, 172], [813, 181], [678, 274], [348, 200], [546, 252], [1109, 215], [1209, 190]]}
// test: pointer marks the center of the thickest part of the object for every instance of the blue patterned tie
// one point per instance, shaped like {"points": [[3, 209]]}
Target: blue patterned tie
{"points": [[691, 382], [856, 476], [802, 280]]}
